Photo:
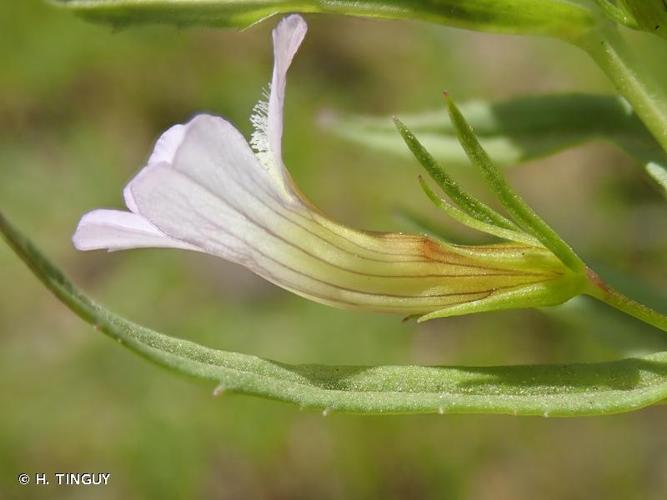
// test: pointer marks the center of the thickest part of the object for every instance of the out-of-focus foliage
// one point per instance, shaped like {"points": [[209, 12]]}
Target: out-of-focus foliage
{"points": [[80, 108], [648, 15], [659, 174], [513, 131]]}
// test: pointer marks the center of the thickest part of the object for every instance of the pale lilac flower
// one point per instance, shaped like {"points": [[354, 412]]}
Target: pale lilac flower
{"points": [[206, 189]]}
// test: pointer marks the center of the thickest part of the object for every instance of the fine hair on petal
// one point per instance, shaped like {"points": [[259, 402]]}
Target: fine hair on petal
{"points": [[259, 140]]}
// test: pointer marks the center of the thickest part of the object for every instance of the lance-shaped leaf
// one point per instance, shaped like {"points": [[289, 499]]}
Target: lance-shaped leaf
{"points": [[544, 390], [550, 17], [511, 131]]}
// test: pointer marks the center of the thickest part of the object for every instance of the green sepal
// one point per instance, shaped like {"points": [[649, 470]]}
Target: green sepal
{"points": [[550, 293], [510, 199], [465, 219], [450, 187]]}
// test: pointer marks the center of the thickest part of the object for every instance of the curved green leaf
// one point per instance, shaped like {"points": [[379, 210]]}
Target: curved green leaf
{"points": [[549, 17], [547, 390], [513, 131]]}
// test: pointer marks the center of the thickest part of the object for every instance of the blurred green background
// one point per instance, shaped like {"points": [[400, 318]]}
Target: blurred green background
{"points": [[80, 106]]}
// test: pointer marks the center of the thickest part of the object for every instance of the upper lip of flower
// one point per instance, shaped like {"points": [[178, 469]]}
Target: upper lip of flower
{"points": [[120, 230], [205, 189]]}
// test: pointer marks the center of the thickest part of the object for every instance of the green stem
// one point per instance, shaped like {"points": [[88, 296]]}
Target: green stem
{"points": [[633, 78], [603, 292]]}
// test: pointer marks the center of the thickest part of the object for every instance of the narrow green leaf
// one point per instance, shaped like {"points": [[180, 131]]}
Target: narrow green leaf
{"points": [[546, 390], [470, 205], [560, 18], [515, 205], [512, 131]]}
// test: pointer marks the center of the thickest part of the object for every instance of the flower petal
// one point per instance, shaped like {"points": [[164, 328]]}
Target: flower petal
{"points": [[206, 196], [287, 38], [118, 230], [164, 151], [167, 145]]}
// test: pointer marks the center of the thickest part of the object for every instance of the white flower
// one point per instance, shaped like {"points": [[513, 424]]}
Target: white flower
{"points": [[205, 189]]}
